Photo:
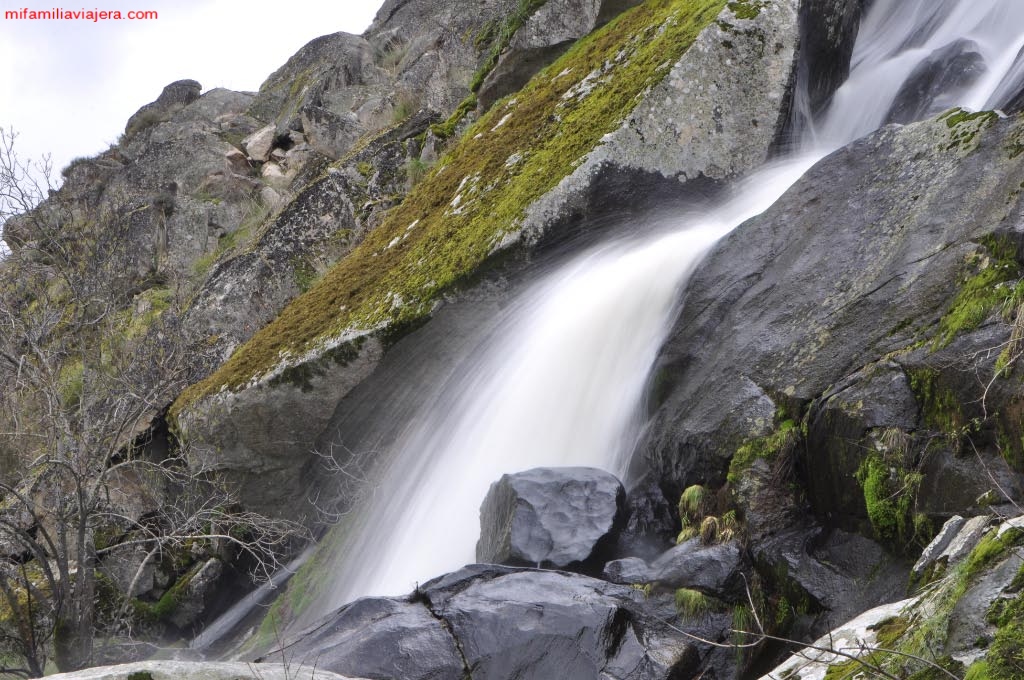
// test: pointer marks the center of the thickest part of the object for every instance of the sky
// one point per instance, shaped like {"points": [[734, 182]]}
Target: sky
{"points": [[67, 87]]}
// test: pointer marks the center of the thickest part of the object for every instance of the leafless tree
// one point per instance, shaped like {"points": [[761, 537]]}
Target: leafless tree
{"points": [[89, 360]]}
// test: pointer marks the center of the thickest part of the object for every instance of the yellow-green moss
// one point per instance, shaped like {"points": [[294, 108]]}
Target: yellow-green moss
{"points": [[992, 282], [495, 36], [767, 447], [890, 630], [453, 220], [965, 126], [694, 503], [154, 302], [747, 9], [72, 382], [978, 671]]}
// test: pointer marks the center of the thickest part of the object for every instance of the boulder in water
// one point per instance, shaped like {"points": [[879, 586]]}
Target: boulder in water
{"points": [[947, 71], [550, 516]]}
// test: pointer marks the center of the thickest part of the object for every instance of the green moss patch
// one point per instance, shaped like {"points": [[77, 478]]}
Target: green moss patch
{"points": [[693, 604], [888, 631], [747, 9], [477, 194], [890, 494], [783, 439], [992, 282], [964, 127]]}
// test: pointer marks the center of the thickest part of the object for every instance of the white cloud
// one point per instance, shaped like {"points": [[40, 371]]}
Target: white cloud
{"points": [[68, 87]]}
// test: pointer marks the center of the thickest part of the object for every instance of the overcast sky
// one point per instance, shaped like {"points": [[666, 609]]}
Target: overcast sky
{"points": [[68, 87]]}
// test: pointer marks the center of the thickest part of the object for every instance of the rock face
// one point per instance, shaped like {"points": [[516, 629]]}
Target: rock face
{"points": [[828, 31], [545, 35], [776, 329], [971, 613], [687, 128], [551, 517], [651, 522], [493, 623]]}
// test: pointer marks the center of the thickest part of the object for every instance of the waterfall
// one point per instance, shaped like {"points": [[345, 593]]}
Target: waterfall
{"points": [[559, 379], [558, 385], [563, 382]]}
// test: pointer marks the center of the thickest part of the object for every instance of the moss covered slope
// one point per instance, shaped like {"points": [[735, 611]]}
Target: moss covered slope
{"points": [[475, 196]]}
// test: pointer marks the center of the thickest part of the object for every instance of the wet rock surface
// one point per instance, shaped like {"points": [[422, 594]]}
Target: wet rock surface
{"points": [[550, 516], [493, 622], [748, 342], [200, 670]]}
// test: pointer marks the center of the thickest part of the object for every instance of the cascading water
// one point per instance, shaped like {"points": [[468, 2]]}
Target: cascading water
{"points": [[561, 379], [560, 387], [926, 56]]}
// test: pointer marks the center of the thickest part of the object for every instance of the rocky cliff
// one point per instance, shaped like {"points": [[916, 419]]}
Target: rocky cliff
{"points": [[839, 389]]}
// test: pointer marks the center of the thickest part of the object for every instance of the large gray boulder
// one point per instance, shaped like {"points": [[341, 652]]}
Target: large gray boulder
{"points": [[336, 72], [379, 637], [938, 81], [774, 326], [711, 569], [550, 516], [494, 623]]}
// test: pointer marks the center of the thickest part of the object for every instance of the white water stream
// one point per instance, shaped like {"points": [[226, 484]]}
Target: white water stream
{"points": [[563, 384]]}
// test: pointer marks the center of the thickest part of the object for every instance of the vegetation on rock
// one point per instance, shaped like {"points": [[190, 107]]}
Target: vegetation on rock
{"points": [[780, 442], [460, 214], [992, 283]]}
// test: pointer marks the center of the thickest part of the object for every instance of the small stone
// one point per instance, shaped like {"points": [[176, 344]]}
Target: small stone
{"points": [[259, 144], [627, 571], [237, 160]]}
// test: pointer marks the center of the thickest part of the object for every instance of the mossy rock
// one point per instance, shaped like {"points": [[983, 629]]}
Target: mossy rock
{"points": [[475, 196]]}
